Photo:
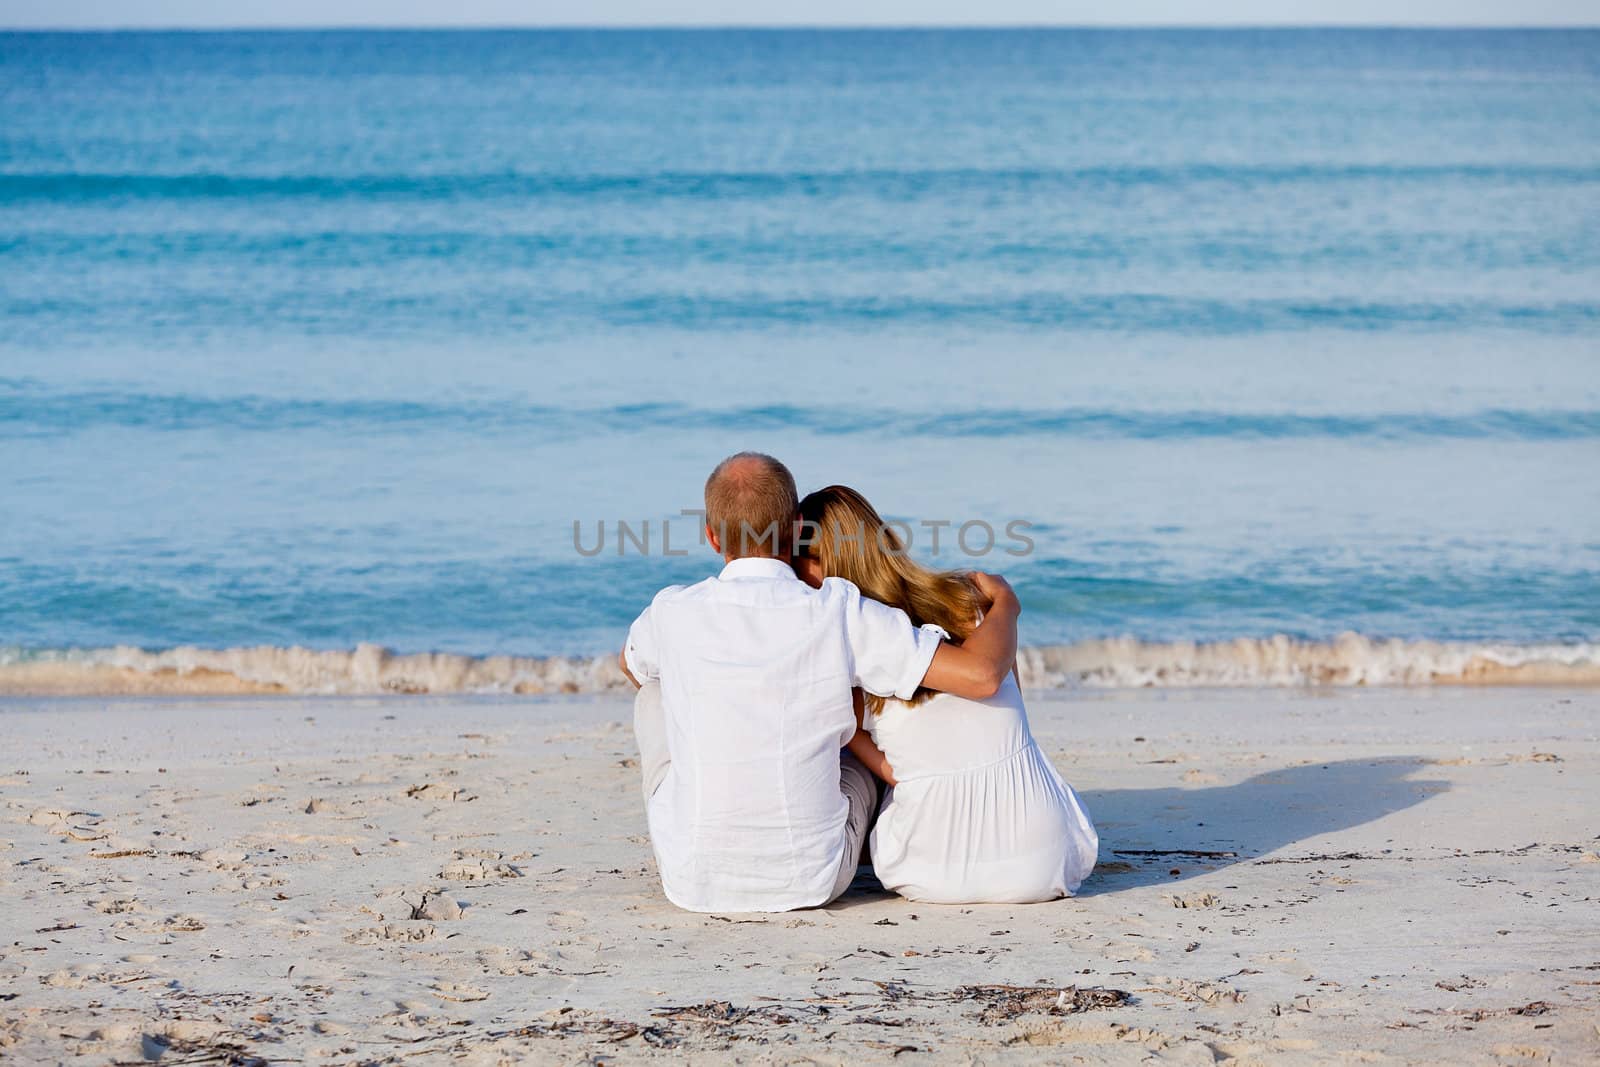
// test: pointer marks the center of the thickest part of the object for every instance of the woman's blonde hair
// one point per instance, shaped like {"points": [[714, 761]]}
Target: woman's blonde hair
{"points": [[846, 536]]}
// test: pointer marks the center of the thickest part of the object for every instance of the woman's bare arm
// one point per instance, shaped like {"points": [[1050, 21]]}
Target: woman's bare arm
{"points": [[865, 749], [977, 667]]}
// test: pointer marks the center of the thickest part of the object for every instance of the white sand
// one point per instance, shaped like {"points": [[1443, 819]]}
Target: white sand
{"points": [[206, 881]]}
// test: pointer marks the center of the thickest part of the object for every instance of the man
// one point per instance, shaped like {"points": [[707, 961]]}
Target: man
{"points": [[745, 703]]}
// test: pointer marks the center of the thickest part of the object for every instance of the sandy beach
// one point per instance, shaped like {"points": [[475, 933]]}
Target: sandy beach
{"points": [[1286, 876]]}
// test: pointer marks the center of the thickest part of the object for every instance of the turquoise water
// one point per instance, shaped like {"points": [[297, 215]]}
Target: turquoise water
{"points": [[330, 338]]}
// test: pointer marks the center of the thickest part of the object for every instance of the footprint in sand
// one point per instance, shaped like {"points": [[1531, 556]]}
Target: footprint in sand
{"points": [[578, 952], [52, 816], [479, 854], [410, 1014], [806, 963], [189, 1030], [261, 883], [224, 859], [1272, 1051], [504, 961], [1195, 992], [114, 905], [1284, 963], [477, 870], [72, 977], [438, 793], [70, 823], [459, 993], [98, 1039], [1126, 952], [1086, 1033], [404, 932]]}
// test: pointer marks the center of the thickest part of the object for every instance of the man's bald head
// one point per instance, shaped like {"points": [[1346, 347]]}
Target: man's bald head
{"points": [[751, 505]]}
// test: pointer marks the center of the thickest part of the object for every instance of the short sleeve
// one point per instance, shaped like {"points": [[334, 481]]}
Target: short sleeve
{"points": [[889, 656], [643, 657]]}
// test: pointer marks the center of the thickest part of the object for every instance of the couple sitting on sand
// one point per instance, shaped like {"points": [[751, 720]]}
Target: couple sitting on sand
{"points": [[821, 657]]}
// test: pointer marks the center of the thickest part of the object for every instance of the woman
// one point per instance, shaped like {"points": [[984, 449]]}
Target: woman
{"points": [[974, 813]]}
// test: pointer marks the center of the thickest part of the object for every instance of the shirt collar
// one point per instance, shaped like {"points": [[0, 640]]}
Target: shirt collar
{"points": [[757, 567]]}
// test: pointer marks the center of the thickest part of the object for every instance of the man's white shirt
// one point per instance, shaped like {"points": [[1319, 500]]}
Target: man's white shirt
{"points": [[756, 669]]}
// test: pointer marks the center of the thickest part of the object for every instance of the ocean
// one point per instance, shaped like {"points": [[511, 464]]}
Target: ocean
{"points": [[1282, 347]]}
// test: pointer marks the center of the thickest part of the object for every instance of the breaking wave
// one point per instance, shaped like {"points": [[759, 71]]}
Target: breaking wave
{"points": [[1115, 663]]}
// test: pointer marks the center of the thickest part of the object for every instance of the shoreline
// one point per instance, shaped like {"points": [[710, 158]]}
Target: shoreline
{"points": [[1375, 874], [1347, 661]]}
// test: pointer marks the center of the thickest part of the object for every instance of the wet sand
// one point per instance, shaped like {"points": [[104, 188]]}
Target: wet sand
{"points": [[1382, 876]]}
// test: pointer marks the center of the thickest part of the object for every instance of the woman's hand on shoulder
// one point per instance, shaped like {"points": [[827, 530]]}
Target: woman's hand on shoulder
{"points": [[992, 588]]}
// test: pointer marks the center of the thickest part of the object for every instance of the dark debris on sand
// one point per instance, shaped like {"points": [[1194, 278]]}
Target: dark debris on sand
{"points": [[1002, 1003], [720, 1022], [604, 1029], [722, 1013], [176, 1051]]}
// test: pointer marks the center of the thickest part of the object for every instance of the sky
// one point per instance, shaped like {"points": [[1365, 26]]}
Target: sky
{"points": [[107, 14]]}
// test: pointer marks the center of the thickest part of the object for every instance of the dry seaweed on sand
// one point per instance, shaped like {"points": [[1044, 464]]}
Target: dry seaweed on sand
{"points": [[723, 1013], [605, 1029], [178, 1051], [1002, 1003], [1537, 1007], [611, 1031], [719, 1016]]}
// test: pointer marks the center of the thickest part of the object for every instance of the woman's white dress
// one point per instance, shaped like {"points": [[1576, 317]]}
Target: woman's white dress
{"points": [[978, 813]]}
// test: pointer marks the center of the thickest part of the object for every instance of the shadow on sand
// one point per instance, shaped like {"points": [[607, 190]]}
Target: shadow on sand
{"points": [[1150, 836], [1160, 836]]}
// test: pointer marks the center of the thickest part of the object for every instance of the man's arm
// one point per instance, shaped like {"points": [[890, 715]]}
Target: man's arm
{"points": [[977, 667], [639, 659]]}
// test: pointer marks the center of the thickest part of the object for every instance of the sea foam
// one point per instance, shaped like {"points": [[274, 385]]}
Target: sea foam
{"points": [[1274, 662]]}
